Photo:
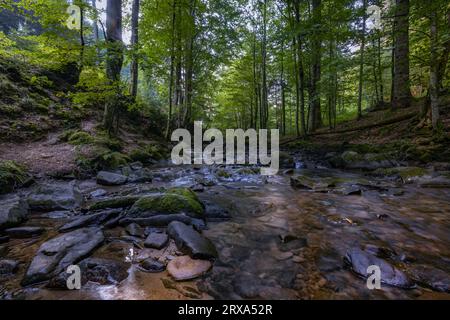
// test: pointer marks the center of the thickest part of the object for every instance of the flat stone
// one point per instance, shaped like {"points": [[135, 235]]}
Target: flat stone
{"points": [[191, 242], [24, 232], [90, 220], [184, 268], [111, 179], [156, 241], [164, 221], [359, 261], [430, 277], [55, 196], [55, 255], [98, 193]]}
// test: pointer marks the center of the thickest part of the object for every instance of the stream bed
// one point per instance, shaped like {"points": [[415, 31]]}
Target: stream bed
{"points": [[275, 240]]}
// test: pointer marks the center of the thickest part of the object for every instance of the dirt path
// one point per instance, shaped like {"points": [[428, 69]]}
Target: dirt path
{"points": [[48, 156]]}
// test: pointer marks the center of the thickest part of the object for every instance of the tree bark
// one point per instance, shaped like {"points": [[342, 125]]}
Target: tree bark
{"points": [[134, 44], [316, 113], [114, 61], [434, 71], [401, 92], [361, 60]]}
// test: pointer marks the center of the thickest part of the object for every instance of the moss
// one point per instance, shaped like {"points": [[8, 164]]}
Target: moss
{"points": [[351, 156], [172, 202], [223, 174], [147, 153], [81, 138], [121, 202], [406, 173], [140, 155], [66, 134], [11, 111], [12, 175], [96, 158], [247, 171]]}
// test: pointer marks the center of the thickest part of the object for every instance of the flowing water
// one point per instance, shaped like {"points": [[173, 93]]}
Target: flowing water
{"points": [[278, 243]]}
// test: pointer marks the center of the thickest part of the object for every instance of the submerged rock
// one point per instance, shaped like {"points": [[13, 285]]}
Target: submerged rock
{"points": [[8, 267], [191, 242], [430, 277], [55, 196], [156, 240], [174, 201], [106, 178], [184, 268], [55, 255], [98, 270], [24, 232], [164, 221], [359, 260], [151, 265], [13, 211], [311, 183]]}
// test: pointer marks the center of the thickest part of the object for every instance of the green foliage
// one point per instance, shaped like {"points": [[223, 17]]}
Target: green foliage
{"points": [[81, 138], [12, 175]]}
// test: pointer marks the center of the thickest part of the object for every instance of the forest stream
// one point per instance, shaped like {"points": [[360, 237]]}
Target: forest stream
{"points": [[274, 239]]}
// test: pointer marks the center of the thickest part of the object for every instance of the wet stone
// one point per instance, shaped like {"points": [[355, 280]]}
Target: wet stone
{"points": [[156, 241], [135, 230], [151, 265], [359, 260], [184, 268], [111, 179], [430, 277], [8, 267], [191, 242], [24, 232]]}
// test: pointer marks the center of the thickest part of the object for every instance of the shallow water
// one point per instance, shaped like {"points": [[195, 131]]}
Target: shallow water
{"points": [[280, 242]]}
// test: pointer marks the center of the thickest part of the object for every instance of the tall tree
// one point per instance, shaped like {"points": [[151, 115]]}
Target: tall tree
{"points": [[316, 48], [361, 59], [401, 79], [114, 61], [135, 47]]}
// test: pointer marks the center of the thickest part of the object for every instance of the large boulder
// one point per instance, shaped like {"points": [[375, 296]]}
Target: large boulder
{"points": [[359, 261], [55, 196], [106, 178], [191, 242], [357, 161], [55, 255], [174, 201], [117, 202], [13, 211]]}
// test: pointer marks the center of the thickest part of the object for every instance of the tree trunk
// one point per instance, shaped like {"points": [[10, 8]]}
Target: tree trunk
{"points": [[264, 96], [172, 69], [135, 45], [434, 72], [114, 61], [361, 60], [402, 92], [316, 113]]}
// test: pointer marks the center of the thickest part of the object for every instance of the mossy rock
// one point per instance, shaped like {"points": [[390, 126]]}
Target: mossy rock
{"points": [[81, 138], [406, 173], [174, 201], [120, 202], [95, 158], [12, 175], [148, 153], [223, 174], [248, 171], [351, 156]]}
